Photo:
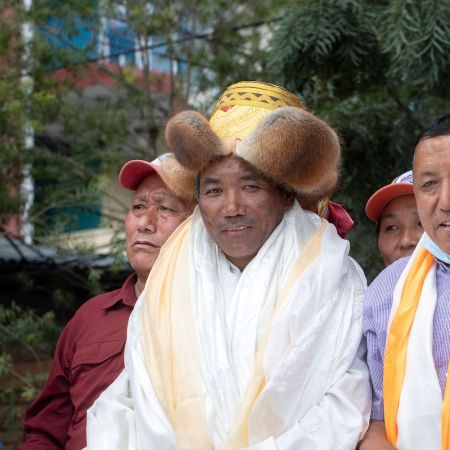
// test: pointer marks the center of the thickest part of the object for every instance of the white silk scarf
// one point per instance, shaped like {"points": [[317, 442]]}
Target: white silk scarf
{"points": [[248, 358]]}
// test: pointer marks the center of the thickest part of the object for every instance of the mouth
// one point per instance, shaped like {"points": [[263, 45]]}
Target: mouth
{"points": [[236, 229], [445, 225], [145, 245]]}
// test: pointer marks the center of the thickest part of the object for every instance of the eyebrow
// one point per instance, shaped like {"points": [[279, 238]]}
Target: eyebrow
{"points": [[158, 196], [245, 177], [388, 216], [209, 180], [394, 216], [139, 197], [251, 177], [427, 173]]}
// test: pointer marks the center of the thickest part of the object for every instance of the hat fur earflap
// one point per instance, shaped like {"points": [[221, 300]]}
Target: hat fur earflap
{"points": [[297, 149], [191, 139], [178, 179]]}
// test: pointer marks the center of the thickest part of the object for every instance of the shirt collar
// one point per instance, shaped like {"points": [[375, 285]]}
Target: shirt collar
{"points": [[126, 294], [443, 266]]}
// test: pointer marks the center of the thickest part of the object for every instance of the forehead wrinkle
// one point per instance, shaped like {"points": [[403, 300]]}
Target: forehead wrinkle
{"points": [[160, 194]]}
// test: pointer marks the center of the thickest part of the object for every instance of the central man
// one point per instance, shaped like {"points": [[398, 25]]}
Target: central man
{"points": [[248, 334]]}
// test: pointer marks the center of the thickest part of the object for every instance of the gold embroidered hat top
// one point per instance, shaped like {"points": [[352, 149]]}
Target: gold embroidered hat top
{"points": [[267, 126], [253, 93], [243, 105]]}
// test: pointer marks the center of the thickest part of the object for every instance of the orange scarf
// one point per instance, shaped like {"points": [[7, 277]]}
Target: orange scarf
{"points": [[396, 349]]}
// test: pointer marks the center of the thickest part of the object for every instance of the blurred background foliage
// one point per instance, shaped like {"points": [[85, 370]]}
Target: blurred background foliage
{"points": [[28, 337], [377, 70]]}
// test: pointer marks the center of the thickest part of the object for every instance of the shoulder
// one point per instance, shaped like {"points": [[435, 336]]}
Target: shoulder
{"points": [[105, 308], [83, 323], [357, 273], [101, 319], [95, 305], [379, 293]]}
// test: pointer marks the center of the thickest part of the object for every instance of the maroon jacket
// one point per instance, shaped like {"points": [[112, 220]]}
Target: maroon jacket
{"points": [[88, 358]]}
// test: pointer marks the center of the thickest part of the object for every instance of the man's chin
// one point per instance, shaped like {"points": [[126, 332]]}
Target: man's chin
{"points": [[143, 265], [239, 258], [441, 238]]}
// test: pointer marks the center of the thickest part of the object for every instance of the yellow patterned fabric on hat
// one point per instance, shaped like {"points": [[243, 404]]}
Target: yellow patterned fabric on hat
{"points": [[262, 95], [243, 105]]}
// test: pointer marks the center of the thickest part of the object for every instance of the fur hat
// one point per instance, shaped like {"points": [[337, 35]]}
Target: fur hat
{"points": [[266, 126]]}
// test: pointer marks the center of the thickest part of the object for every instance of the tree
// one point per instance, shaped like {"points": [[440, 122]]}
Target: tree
{"points": [[378, 71], [88, 115], [83, 135]]}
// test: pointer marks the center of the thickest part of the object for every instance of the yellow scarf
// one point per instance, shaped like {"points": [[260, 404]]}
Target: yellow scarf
{"points": [[396, 349]]}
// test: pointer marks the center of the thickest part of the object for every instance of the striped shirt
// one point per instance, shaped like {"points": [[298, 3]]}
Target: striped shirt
{"points": [[377, 305]]}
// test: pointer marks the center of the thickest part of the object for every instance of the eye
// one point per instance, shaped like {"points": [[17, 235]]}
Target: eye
{"points": [[428, 184], [391, 228], [213, 191], [251, 188], [164, 208], [137, 206]]}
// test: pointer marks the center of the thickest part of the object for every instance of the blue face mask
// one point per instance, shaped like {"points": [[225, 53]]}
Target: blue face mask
{"points": [[427, 243]]}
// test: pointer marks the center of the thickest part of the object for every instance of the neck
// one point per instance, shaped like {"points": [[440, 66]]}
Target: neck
{"points": [[139, 286]]}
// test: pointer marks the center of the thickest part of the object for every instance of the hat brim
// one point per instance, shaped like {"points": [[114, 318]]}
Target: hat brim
{"points": [[133, 172], [383, 196]]}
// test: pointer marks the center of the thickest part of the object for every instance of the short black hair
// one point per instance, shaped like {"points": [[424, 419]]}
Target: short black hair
{"points": [[378, 228], [440, 126]]}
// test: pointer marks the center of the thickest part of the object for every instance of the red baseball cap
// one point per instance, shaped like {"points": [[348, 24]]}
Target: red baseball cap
{"points": [[133, 172], [402, 185]]}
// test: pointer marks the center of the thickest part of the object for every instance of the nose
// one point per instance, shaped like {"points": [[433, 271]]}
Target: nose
{"points": [[409, 238], [444, 196], [148, 222], [233, 205]]}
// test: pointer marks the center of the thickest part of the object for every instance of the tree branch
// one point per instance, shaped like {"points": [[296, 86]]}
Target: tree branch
{"points": [[403, 107]]}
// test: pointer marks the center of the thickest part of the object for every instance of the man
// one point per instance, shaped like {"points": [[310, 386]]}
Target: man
{"points": [[407, 316], [89, 353], [393, 208], [250, 336]]}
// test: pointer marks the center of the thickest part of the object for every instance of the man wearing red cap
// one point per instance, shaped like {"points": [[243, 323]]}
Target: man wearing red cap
{"points": [[89, 353]]}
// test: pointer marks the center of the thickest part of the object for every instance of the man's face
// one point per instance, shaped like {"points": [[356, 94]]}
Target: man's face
{"points": [[400, 229], [432, 188], [239, 208], [154, 215]]}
